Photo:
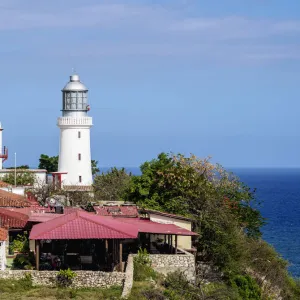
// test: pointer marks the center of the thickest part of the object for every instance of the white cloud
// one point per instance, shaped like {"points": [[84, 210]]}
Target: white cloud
{"points": [[151, 30]]}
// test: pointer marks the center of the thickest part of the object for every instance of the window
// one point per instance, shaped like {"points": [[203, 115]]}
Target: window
{"points": [[79, 156], [80, 179], [79, 134]]}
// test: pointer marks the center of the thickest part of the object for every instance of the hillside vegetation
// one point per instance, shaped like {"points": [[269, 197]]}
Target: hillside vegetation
{"points": [[226, 216]]}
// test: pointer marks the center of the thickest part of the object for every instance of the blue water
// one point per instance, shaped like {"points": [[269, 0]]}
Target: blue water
{"points": [[279, 191]]}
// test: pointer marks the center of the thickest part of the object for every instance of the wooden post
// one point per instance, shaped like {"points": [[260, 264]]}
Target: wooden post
{"points": [[120, 255], [106, 247], [171, 243], [37, 255], [176, 244], [165, 239]]}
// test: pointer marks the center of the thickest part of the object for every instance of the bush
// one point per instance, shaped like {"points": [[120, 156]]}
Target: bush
{"points": [[247, 287], [20, 244], [24, 261], [65, 278], [142, 266]]}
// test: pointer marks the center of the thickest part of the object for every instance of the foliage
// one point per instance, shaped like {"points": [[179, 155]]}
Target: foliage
{"points": [[111, 185], [49, 163], [23, 167], [11, 286], [142, 266], [65, 278], [247, 287], [23, 289], [226, 216], [23, 177], [95, 168], [24, 261], [20, 244], [184, 185], [43, 192]]}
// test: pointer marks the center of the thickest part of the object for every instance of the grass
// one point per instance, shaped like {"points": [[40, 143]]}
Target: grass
{"points": [[23, 290]]}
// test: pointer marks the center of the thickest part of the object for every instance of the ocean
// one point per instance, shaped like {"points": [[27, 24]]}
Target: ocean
{"points": [[279, 192]]}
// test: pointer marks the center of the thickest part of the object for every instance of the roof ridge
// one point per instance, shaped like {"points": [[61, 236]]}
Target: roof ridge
{"points": [[94, 221]]}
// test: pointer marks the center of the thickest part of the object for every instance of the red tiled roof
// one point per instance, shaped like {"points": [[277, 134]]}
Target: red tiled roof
{"points": [[147, 226], [12, 219], [3, 234], [160, 213], [42, 217], [115, 210], [4, 184], [83, 225], [8, 199]]}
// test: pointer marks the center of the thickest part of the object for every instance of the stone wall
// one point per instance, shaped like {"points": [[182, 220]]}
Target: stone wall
{"points": [[128, 282], [83, 278], [168, 263]]}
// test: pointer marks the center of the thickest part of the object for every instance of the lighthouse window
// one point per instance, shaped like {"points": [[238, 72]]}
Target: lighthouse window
{"points": [[80, 179], [79, 156], [79, 134]]}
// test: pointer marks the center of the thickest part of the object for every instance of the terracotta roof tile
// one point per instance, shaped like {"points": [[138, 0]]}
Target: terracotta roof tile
{"points": [[12, 219], [8, 199], [122, 211]]}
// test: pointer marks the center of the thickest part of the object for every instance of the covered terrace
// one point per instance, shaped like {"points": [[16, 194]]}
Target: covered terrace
{"points": [[81, 240]]}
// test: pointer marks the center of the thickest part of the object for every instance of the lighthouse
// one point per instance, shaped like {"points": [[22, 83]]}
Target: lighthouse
{"points": [[74, 164]]}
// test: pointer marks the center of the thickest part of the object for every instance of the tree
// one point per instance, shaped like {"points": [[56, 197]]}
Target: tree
{"points": [[223, 209], [43, 192], [95, 168], [49, 163], [111, 185], [23, 167]]}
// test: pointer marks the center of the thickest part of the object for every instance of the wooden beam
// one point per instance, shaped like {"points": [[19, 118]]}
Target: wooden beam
{"points": [[176, 244], [120, 255], [37, 255]]}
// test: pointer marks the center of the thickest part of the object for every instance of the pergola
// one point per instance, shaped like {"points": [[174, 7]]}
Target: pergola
{"points": [[81, 225]]}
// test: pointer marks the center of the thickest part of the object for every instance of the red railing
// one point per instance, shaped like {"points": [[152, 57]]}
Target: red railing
{"points": [[4, 154]]}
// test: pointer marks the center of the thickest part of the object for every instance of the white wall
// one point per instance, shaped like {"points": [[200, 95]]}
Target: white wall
{"points": [[20, 190], [2, 255], [70, 146], [184, 242]]}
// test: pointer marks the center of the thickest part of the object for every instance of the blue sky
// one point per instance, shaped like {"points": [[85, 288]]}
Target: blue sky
{"points": [[213, 78]]}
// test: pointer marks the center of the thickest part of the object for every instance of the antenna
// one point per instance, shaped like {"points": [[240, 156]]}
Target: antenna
{"points": [[73, 70]]}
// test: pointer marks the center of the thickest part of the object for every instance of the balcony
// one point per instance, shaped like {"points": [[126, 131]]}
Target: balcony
{"points": [[66, 121]]}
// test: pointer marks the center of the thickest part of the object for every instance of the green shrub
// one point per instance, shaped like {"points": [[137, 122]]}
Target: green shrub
{"points": [[143, 257], [247, 287], [65, 278], [142, 266], [20, 244], [24, 261]]}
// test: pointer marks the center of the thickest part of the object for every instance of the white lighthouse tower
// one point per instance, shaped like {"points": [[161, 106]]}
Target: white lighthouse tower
{"points": [[74, 166]]}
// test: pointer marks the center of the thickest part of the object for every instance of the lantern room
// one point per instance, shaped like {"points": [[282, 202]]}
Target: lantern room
{"points": [[75, 96]]}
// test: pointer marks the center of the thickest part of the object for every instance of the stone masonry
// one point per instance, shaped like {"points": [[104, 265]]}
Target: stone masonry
{"points": [[168, 263], [128, 282], [83, 278]]}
